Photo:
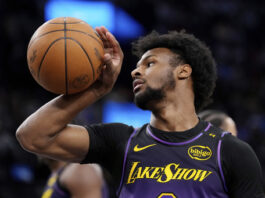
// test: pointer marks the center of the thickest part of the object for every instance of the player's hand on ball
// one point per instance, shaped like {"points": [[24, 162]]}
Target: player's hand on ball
{"points": [[112, 61]]}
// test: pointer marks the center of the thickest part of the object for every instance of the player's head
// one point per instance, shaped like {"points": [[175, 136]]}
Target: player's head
{"points": [[219, 119], [172, 57]]}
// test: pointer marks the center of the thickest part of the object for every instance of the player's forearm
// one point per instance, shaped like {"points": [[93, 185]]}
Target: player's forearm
{"points": [[51, 118]]}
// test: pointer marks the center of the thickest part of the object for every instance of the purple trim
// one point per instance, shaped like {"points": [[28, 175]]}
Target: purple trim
{"points": [[174, 143], [58, 190], [124, 160], [219, 160], [207, 128]]}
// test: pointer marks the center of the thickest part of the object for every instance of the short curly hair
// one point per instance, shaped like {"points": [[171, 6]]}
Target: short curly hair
{"points": [[189, 50]]}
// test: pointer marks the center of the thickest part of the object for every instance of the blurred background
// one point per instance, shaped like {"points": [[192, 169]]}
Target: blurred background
{"points": [[234, 30]]}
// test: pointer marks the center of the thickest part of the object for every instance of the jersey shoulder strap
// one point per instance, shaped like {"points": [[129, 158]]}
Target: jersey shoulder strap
{"points": [[138, 130], [216, 132]]}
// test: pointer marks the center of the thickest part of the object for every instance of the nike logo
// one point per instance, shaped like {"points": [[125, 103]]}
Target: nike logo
{"points": [[136, 148]]}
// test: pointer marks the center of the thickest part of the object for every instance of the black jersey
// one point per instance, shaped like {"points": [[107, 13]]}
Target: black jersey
{"points": [[195, 163]]}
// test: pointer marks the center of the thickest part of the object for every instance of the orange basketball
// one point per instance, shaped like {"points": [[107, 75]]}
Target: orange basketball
{"points": [[65, 55]]}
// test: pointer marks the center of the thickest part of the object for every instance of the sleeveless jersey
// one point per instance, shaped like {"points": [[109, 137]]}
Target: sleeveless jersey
{"points": [[53, 189], [154, 168]]}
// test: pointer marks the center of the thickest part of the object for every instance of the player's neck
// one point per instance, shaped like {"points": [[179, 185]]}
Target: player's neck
{"points": [[175, 123], [174, 117]]}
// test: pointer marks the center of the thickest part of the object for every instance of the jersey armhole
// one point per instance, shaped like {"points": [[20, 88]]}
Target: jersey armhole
{"points": [[135, 133], [125, 159], [219, 160]]}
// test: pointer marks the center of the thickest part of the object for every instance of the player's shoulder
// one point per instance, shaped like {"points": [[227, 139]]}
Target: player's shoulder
{"points": [[212, 129], [229, 140], [232, 145], [235, 144], [74, 168], [76, 173]]}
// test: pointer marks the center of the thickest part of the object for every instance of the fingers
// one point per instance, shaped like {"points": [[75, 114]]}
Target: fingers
{"points": [[113, 42], [108, 39], [102, 31], [107, 59], [113, 53]]}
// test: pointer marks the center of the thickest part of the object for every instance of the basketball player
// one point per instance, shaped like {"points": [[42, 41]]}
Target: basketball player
{"points": [[219, 119], [176, 154], [73, 180]]}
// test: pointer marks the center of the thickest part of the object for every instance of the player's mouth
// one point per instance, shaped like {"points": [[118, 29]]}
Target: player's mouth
{"points": [[137, 84]]}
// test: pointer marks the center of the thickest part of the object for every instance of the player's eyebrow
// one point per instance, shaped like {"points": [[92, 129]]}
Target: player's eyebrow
{"points": [[137, 65]]}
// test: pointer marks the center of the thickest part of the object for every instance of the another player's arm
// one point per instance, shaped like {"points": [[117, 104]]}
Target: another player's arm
{"points": [[83, 181], [48, 132]]}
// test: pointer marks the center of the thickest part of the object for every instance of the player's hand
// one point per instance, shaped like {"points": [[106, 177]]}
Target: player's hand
{"points": [[112, 61]]}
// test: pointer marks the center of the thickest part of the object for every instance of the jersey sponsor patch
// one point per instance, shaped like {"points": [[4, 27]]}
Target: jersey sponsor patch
{"points": [[199, 152]]}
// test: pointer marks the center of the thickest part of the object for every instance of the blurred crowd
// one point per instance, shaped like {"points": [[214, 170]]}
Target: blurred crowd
{"points": [[234, 30]]}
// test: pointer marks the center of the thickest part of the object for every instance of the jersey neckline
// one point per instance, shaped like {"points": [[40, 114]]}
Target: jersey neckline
{"points": [[178, 138]]}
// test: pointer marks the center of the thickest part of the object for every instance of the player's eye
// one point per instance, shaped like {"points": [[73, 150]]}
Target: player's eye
{"points": [[149, 64]]}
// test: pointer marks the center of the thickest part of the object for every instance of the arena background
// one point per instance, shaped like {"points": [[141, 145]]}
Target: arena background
{"points": [[232, 29]]}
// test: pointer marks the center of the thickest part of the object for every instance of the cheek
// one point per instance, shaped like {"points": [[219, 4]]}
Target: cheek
{"points": [[156, 79]]}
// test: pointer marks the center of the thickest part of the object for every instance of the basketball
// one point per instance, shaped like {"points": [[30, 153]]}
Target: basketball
{"points": [[64, 55]]}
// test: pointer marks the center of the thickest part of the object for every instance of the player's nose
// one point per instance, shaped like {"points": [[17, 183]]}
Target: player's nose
{"points": [[136, 72]]}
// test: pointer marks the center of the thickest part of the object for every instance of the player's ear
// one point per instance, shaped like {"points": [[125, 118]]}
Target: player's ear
{"points": [[184, 71]]}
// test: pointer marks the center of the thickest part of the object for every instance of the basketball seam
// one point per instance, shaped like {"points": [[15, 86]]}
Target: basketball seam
{"points": [[45, 53], [70, 39], [95, 38], [65, 59], [92, 66], [67, 23]]}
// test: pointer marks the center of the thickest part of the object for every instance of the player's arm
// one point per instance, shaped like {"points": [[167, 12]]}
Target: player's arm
{"points": [[48, 132], [242, 169], [83, 181]]}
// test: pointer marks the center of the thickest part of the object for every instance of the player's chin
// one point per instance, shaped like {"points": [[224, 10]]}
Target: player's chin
{"points": [[141, 100], [138, 93]]}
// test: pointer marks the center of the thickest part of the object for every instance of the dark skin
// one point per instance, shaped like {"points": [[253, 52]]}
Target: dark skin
{"points": [[81, 181], [47, 132], [176, 112]]}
